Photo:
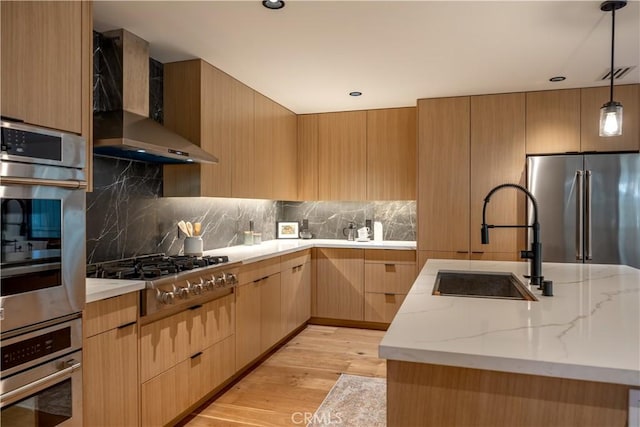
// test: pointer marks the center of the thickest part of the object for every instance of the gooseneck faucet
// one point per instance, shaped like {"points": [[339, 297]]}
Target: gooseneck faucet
{"points": [[535, 254]]}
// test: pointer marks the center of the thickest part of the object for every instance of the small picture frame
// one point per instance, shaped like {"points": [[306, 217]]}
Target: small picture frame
{"points": [[287, 230]]}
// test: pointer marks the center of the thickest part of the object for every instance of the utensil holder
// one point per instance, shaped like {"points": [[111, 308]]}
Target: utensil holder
{"points": [[193, 246]]}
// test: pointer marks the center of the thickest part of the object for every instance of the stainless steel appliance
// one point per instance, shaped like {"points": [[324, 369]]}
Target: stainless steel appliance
{"points": [[589, 207], [42, 376], [172, 282], [42, 198]]}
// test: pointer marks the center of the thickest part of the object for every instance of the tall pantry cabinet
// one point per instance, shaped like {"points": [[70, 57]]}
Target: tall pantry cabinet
{"points": [[467, 146]]}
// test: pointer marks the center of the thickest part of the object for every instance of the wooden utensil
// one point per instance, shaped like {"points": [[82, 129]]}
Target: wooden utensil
{"points": [[190, 229], [183, 227], [197, 227]]}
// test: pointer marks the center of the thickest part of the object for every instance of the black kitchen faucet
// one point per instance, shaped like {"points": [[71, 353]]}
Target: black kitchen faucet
{"points": [[535, 254]]}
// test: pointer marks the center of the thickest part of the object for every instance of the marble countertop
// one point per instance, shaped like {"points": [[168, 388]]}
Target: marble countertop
{"points": [[589, 330], [98, 289]]}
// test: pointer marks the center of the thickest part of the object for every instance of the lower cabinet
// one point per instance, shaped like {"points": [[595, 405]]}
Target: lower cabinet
{"points": [[185, 356], [167, 395], [389, 275], [340, 283], [296, 290], [258, 310], [110, 362]]}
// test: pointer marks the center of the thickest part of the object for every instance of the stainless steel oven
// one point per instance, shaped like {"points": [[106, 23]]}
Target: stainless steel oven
{"points": [[42, 199], [41, 382]]}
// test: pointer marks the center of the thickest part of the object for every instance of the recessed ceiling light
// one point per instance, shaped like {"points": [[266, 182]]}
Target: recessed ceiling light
{"points": [[557, 79], [273, 4], [355, 93]]}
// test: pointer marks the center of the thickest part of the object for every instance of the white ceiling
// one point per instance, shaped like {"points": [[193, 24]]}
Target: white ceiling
{"points": [[311, 54]]}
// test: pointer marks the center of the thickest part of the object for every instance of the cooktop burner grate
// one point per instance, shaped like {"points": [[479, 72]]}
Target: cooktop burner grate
{"points": [[149, 267]]}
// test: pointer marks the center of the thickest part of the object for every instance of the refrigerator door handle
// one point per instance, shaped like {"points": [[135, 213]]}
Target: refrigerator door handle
{"points": [[587, 229], [579, 214]]}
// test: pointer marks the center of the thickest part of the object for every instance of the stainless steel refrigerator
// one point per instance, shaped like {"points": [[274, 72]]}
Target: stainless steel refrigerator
{"points": [[589, 207]]}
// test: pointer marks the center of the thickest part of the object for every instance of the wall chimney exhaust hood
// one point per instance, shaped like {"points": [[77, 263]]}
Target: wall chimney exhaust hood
{"points": [[121, 125]]}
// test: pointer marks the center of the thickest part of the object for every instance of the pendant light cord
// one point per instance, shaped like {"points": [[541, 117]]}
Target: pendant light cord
{"points": [[613, 36]]}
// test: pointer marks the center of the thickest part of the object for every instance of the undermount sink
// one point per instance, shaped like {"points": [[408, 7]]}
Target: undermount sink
{"points": [[481, 284]]}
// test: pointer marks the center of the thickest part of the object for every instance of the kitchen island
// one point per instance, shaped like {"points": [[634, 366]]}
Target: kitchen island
{"points": [[569, 359]]}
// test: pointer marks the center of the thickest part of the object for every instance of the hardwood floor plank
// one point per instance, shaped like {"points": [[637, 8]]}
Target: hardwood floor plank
{"points": [[295, 379]]}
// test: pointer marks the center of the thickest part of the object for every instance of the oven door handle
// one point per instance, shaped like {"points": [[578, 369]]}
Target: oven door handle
{"points": [[12, 180], [69, 367]]}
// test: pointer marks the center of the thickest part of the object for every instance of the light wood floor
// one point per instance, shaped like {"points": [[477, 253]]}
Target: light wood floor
{"points": [[295, 379]]}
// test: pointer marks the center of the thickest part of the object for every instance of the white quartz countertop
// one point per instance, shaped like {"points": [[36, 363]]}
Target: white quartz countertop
{"points": [[98, 289], [589, 329]]}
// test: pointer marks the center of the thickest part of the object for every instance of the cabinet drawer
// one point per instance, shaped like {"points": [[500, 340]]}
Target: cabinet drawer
{"points": [[381, 307], [100, 316], [259, 270], [389, 277], [295, 259], [390, 256]]}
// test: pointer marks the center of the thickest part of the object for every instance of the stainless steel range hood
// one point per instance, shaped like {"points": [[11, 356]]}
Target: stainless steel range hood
{"points": [[123, 128]]}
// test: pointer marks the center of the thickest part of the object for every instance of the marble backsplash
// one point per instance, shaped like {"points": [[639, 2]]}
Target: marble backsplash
{"points": [[126, 215], [328, 219]]}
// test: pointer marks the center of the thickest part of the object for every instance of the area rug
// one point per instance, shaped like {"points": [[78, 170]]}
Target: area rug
{"points": [[354, 401]]}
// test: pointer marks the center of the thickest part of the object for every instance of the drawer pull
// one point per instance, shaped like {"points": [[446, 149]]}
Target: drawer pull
{"points": [[477, 252], [389, 265], [196, 355], [126, 325], [257, 281], [195, 307], [388, 294], [462, 252]]}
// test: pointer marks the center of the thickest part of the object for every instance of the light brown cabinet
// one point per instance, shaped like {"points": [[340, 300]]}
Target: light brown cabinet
{"points": [[553, 121], [591, 101], [342, 156], [184, 357], [361, 155], [497, 157], [391, 154], [110, 371], [388, 276], [275, 156], [253, 137], [308, 157], [169, 394], [46, 49], [468, 145], [561, 121], [46, 56], [340, 283], [443, 175], [258, 310], [296, 290], [216, 112]]}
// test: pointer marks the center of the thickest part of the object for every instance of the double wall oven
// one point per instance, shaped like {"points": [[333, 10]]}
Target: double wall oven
{"points": [[42, 276]]}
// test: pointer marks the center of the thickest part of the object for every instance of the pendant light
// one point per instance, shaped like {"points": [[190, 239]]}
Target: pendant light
{"points": [[611, 112]]}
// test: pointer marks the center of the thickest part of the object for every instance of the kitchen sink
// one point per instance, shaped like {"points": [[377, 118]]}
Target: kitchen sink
{"points": [[481, 284]]}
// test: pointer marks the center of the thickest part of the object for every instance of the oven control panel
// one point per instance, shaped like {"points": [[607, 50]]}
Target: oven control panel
{"points": [[36, 347], [20, 142]]}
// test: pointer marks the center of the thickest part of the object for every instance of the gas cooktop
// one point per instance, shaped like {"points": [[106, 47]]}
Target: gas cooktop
{"points": [[151, 267]]}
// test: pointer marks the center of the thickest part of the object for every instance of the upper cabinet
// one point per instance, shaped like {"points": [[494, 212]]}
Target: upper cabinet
{"points": [[253, 137], [342, 156], [592, 100], [46, 56], [553, 121], [361, 155], [46, 50], [275, 156], [391, 154], [563, 121], [308, 157]]}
